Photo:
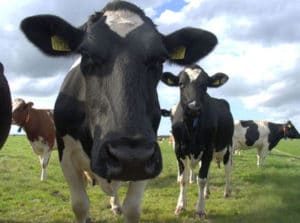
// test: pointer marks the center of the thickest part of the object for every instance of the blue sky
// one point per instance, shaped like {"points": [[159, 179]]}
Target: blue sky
{"points": [[259, 49]]}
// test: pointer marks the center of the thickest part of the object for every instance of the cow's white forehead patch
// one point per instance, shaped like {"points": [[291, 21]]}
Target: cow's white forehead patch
{"points": [[193, 73], [122, 22], [17, 102]]}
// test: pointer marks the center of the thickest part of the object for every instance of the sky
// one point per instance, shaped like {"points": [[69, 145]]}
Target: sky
{"points": [[258, 48]]}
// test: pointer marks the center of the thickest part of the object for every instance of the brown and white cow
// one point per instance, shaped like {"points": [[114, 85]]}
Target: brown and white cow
{"points": [[39, 127]]}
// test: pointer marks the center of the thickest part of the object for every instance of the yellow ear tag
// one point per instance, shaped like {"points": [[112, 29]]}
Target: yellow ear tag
{"points": [[217, 83], [178, 53], [59, 44], [170, 82]]}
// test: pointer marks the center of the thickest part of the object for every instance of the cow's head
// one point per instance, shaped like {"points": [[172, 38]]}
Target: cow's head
{"points": [[290, 131], [193, 82], [20, 111], [5, 107], [122, 56]]}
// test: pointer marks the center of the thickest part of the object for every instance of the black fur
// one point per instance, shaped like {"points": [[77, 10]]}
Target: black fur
{"points": [[5, 107], [189, 38], [252, 133], [206, 130], [279, 131]]}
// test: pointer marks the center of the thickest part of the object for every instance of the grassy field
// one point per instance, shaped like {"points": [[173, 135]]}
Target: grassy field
{"points": [[269, 195]]}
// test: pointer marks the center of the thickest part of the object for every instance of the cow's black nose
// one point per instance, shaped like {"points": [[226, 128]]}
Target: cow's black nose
{"points": [[128, 159]]}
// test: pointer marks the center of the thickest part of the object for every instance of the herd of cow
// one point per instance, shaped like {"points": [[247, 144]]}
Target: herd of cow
{"points": [[107, 113]]}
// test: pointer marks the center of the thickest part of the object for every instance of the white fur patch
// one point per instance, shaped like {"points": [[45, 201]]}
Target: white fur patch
{"points": [[74, 153], [193, 73], [194, 161], [17, 102], [173, 110], [39, 146], [122, 22]]}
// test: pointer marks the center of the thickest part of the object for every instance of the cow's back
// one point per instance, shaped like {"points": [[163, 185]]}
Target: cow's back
{"points": [[250, 133]]}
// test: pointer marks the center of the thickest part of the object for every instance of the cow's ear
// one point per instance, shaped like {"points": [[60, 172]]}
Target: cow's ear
{"points": [[165, 113], [170, 79], [188, 45], [218, 80], [29, 104], [51, 34]]}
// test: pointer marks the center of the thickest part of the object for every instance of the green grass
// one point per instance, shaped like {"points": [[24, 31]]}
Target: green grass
{"points": [[269, 194]]}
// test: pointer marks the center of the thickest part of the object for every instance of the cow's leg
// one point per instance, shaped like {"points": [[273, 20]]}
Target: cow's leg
{"points": [[114, 200], [261, 155], [192, 175], [202, 181], [132, 205], [227, 160], [183, 180], [44, 160], [74, 175], [206, 188]]}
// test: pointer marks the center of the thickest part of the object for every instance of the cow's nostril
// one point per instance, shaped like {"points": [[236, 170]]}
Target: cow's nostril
{"points": [[128, 153], [128, 159]]}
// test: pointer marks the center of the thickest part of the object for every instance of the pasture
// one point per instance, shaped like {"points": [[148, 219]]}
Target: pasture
{"points": [[269, 194]]}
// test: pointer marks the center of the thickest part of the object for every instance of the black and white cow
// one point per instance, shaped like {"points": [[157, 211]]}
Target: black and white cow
{"points": [[262, 135], [202, 126], [5, 107], [107, 112]]}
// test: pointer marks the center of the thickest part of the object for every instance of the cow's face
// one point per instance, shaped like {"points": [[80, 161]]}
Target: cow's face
{"points": [[122, 55], [20, 111], [193, 82], [290, 131]]}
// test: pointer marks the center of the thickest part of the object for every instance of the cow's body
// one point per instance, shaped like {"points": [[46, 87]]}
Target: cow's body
{"points": [[38, 125], [202, 129], [5, 107], [262, 135], [107, 112]]}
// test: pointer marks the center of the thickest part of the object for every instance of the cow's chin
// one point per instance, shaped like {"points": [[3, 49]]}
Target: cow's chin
{"points": [[127, 162]]}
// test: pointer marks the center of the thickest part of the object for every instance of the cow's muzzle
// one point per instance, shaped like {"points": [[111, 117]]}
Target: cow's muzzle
{"points": [[127, 160]]}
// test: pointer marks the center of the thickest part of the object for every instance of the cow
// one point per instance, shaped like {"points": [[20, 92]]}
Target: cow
{"points": [[262, 135], [202, 127], [107, 111], [38, 125], [5, 107]]}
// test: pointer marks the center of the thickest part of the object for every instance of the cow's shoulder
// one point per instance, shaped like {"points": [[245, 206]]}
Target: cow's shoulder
{"points": [[74, 83], [222, 103]]}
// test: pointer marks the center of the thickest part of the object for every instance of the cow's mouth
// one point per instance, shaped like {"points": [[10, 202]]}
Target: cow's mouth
{"points": [[127, 160]]}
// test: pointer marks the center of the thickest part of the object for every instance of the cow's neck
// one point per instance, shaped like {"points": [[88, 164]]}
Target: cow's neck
{"points": [[29, 127], [276, 134], [25, 122]]}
